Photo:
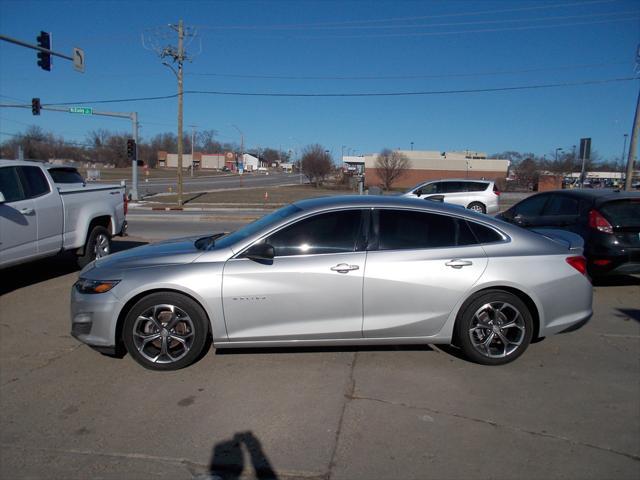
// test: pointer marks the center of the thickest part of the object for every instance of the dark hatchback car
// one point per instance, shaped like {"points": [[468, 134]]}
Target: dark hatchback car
{"points": [[607, 220]]}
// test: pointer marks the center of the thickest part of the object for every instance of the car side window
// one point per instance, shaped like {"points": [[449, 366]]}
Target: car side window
{"points": [[409, 230], [430, 188], [531, 207], [332, 232], [484, 234], [476, 186], [34, 182], [562, 205], [453, 187], [10, 185]]}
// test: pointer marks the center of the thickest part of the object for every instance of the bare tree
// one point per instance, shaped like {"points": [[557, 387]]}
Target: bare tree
{"points": [[316, 163], [391, 165]]}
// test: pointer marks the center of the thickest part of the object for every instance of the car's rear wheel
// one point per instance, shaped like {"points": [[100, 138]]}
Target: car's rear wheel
{"points": [[98, 245], [165, 331], [495, 328], [477, 207]]}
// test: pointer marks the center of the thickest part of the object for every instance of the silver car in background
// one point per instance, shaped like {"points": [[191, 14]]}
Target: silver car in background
{"points": [[353, 270], [481, 196]]}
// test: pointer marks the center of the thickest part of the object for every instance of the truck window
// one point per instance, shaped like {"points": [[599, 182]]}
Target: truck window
{"points": [[10, 185], [34, 182], [65, 175]]}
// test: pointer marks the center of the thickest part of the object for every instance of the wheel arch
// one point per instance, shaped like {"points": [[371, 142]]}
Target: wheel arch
{"points": [[524, 297], [133, 300], [100, 221]]}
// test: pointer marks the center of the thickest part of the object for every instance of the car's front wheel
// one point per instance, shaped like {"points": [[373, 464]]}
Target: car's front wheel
{"points": [[165, 331], [495, 328]]}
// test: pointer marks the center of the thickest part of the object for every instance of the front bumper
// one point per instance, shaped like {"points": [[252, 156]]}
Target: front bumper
{"points": [[94, 318]]}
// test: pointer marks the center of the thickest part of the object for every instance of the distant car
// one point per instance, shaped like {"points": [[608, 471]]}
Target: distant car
{"points": [[607, 220], [478, 195], [333, 271]]}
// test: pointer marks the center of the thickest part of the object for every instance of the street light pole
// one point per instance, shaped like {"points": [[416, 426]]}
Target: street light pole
{"points": [[624, 149], [559, 149], [412, 146]]}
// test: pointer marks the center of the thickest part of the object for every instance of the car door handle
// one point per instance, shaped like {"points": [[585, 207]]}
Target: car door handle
{"points": [[344, 268], [27, 211], [455, 263]]}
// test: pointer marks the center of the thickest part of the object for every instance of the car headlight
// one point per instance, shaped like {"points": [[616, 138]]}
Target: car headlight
{"points": [[84, 285]]}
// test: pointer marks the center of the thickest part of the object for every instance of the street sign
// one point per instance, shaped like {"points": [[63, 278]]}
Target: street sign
{"points": [[81, 110], [78, 59]]}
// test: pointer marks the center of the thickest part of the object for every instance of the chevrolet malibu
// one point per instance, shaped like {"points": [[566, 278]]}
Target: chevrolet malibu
{"points": [[353, 270]]}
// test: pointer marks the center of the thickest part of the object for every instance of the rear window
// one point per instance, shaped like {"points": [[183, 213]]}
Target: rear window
{"points": [[622, 213], [65, 175]]}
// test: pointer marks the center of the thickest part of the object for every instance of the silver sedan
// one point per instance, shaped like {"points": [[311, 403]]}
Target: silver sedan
{"points": [[353, 270]]}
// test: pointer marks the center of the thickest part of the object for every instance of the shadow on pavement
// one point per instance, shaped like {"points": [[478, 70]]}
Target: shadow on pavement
{"points": [[31, 273], [228, 459], [616, 281], [630, 313]]}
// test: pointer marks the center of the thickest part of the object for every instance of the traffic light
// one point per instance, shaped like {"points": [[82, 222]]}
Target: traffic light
{"points": [[35, 106], [131, 149], [44, 59]]}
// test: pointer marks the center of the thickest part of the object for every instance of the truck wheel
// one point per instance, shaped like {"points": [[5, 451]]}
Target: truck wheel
{"points": [[98, 245]]}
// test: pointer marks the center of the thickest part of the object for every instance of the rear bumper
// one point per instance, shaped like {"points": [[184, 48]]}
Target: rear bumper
{"points": [[601, 265]]}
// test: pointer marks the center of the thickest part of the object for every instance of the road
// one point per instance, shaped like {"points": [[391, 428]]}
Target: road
{"points": [[568, 408], [218, 182]]}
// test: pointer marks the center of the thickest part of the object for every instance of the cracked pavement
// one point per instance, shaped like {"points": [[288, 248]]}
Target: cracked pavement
{"points": [[568, 408]]}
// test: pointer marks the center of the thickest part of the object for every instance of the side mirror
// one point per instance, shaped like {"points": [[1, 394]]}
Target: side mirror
{"points": [[2, 199], [417, 192], [260, 252], [520, 220]]}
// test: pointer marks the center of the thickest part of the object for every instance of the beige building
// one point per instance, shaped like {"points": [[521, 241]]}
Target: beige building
{"points": [[434, 165]]}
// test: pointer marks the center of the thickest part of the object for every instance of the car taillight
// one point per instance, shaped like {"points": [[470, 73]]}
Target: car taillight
{"points": [[579, 263], [125, 200], [495, 190], [598, 222]]}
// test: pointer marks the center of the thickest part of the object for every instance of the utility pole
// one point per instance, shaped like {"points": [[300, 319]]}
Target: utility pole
{"points": [[633, 146], [178, 55], [193, 138], [624, 150]]}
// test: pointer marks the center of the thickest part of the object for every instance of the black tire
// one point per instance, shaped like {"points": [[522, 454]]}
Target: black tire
{"points": [[98, 245], [483, 317], [477, 207], [173, 348]]}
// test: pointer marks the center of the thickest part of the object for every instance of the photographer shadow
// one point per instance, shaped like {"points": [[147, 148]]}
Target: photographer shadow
{"points": [[228, 458]]}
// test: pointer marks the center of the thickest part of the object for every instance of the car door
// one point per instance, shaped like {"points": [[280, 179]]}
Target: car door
{"points": [[47, 206], [18, 225], [455, 192], [312, 289], [561, 211], [419, 265]]}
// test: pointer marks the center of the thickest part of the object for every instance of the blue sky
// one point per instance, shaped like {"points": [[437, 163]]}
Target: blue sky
{"points": [[346, 47]]}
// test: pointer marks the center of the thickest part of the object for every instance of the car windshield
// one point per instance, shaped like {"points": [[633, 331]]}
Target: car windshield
{"points": [[252, 228], [623, 213]]}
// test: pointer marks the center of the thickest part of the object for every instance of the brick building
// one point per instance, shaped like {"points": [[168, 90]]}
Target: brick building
{"points": [[433, 165]]}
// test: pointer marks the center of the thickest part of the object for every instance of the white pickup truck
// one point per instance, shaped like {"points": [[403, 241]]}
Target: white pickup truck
{"points": [[41, 218]]}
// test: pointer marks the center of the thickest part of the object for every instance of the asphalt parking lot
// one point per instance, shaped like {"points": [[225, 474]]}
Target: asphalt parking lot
{"points": [[569, 408]]}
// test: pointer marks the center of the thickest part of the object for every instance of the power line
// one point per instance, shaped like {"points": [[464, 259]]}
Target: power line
{"points": [[406, 77], [394, 19], [353, 94], [460, 32]]}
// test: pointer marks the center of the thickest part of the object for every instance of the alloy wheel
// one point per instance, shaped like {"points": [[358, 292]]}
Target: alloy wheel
{"points": [[497, 329]]}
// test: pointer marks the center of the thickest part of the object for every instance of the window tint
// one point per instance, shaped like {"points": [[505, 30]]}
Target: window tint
{"points": [[34, 181], [485, 234], [476, 186], [334, 232], [531, 206], [65, 175], [562, 205], [403, 230], [9, 185], [453, 187], [430, 188]]}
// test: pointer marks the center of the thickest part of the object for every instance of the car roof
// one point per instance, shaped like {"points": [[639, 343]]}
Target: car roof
{"points": [[20, 162], [458, 180], [382, 201], [598, 195]]}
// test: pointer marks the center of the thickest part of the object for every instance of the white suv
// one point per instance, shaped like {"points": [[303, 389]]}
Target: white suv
{"points": [[479, 195]]}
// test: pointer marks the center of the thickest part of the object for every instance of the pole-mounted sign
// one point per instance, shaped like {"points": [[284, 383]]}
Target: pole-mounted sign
{"points": [[81, 110], [78, 59]]}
